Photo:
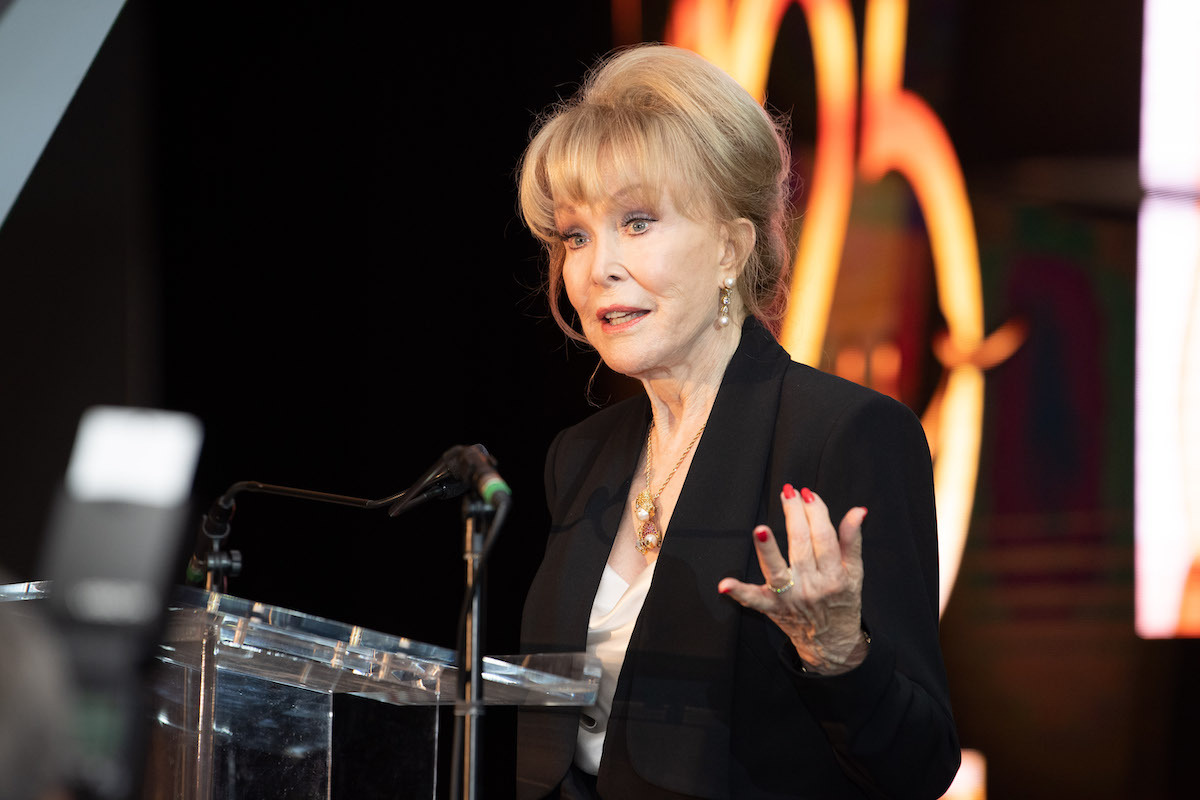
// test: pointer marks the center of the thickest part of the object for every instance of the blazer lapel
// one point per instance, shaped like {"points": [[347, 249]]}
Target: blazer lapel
{"points": [[677, 680], [594, 468], [591, 467]]}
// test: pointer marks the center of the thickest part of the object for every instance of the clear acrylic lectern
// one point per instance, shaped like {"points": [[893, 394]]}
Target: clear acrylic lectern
{"points": [[243, 703]]}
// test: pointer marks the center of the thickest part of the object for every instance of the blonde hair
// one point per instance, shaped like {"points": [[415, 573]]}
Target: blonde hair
{"points": [[662, 119]]}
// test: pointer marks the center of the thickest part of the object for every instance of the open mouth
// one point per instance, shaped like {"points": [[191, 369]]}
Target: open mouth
{"points": [[623, 316]]}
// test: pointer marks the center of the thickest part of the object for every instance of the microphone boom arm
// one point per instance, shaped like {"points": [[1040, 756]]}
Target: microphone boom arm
{"points": [[215, 566]]}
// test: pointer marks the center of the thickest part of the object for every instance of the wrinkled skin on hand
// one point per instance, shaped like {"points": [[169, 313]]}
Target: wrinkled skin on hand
{"points": [[821, 608]]}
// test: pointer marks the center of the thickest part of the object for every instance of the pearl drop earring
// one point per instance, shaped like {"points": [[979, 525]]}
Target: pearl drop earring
{"points": [[726, 291]]}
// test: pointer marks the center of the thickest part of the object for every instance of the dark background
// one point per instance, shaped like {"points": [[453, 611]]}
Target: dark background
{"points": [[297, 221]]}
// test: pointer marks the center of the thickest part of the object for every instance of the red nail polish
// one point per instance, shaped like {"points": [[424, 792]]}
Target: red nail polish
{"points": [[761, 534], [723, 589], [806, 495], [789, 491]]}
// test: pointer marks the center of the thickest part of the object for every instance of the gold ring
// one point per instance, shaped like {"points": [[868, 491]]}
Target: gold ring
{"points": [[782, 589]]}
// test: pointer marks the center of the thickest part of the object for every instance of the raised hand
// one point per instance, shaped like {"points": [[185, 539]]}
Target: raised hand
{"points": [[815, 595]]}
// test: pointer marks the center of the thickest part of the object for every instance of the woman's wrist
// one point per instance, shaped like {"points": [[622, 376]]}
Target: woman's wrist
{"points": [[827, 663]]}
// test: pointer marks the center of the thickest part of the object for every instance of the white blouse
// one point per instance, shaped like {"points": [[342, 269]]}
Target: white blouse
{"points": [[614, 613]]}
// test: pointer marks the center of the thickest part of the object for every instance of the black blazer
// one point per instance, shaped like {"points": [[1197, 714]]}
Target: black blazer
{"points": [[711, 700]]}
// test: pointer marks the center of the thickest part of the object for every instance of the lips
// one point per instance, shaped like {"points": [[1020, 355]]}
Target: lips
{"points": [[620, 316]]}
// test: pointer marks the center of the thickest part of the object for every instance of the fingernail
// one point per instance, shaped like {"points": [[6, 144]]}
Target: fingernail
{"points": [[806, 495], [789, 491], [864, 508], [723, 589], [761, 534]]}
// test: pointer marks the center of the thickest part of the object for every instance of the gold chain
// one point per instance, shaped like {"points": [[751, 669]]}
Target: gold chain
{"points": [[650, 458], [649, 537]]}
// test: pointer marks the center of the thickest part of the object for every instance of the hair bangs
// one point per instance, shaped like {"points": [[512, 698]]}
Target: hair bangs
{"points": [[597, 155]]}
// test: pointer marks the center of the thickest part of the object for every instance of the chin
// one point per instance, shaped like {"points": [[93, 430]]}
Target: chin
{"points": [[621, 367], [628, 364]]}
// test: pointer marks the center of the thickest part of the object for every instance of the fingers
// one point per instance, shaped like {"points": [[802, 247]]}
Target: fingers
{"points": [[850, 536], [813, 542], [800, 547], [774, 566], [812, 538], [826, 548], [754, 597], [815, 549]]}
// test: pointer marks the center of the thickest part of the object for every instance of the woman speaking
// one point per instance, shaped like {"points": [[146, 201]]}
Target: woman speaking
{"points": [[760, 634]]}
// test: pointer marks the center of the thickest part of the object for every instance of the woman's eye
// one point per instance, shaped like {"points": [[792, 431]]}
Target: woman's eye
{"points": [[639, 225], [573, 241]]}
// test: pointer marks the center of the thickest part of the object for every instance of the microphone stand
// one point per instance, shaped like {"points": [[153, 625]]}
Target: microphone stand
{"points": [[469, 703], [484, 509]]}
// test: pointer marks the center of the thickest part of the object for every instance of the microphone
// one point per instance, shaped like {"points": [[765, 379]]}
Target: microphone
{"points": [[457, 469], [440, 482], [479, 467]]}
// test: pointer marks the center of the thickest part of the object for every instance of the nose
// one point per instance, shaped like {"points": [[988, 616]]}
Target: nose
{"points": [[607, 267]]}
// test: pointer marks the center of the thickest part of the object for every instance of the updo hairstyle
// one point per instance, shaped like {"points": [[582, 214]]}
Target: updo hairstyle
{"points": [[662, 119]]}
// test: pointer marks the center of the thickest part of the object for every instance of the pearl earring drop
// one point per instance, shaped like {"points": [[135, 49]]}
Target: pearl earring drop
{"points": [[726, 291]]}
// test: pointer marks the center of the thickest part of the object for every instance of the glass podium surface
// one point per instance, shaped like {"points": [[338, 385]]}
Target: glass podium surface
{"points": [[243, 700]]}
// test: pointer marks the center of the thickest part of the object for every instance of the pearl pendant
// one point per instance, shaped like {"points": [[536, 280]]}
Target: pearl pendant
{"points": [[643, 506], [648, 537]]}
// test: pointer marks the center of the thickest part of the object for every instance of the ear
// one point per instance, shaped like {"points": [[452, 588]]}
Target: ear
{"points": [[737, 238]]}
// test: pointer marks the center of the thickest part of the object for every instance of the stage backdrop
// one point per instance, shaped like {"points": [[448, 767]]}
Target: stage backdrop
{"points": [[297, 221]]}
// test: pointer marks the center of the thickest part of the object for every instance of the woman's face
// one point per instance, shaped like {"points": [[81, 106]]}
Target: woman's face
{"points": [[645, 281]]}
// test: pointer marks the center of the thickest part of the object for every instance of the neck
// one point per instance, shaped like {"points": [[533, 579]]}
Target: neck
{"points": [[681, 400]]}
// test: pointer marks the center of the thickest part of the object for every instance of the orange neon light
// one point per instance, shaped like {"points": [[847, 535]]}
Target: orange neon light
{"points": [[899, 133], [819, 251], [741, 42]]}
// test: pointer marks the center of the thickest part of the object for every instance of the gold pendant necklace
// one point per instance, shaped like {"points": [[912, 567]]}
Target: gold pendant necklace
{"points": [[649, 537]]}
